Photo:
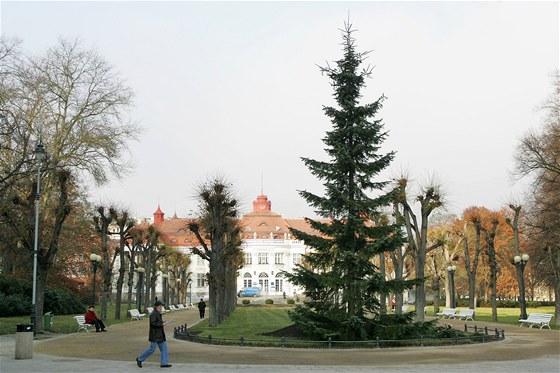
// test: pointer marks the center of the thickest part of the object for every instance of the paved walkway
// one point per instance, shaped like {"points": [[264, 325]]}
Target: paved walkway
{"points": [[523, 350]]}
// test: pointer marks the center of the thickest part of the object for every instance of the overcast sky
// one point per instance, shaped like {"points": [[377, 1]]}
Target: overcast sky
{"points": [[233, 88]]}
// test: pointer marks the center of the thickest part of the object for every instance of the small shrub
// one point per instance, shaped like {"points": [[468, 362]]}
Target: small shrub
{"points": [[269, 301], [290, 301], [245, 301]]}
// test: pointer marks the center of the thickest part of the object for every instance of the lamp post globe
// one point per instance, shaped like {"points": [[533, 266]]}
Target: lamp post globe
{"points": [[451, 269], [520, 263], [95, 260], [165, 276], [140, 271]]}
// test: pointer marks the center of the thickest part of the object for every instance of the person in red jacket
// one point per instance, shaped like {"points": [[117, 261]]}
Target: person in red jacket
{"points": [[91, 318]]}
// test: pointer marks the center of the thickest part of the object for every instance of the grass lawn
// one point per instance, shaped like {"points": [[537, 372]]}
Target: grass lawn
{"points": [[63, 324], [248, 322], [251, 321]]}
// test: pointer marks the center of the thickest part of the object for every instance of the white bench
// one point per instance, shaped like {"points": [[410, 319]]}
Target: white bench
{"points": [[539, 319], [449, 312], [136, 315], [173, 308], [464, 314], [150, 310], [81, 320]]}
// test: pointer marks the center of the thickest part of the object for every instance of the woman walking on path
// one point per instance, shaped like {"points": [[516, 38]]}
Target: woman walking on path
{"points": [[157, 337]]}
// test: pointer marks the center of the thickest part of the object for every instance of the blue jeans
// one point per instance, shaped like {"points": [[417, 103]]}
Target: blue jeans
{"points": [[162, 349]]}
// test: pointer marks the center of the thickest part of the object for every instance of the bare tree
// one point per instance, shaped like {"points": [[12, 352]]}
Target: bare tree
{"points": [[73, 102], [417, 233], [102, 222], [124, 224], [490, 236], [538, 156], [218, 223]]}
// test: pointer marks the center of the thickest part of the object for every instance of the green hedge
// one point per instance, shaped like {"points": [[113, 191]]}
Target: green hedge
{"points": [[15, 299]]}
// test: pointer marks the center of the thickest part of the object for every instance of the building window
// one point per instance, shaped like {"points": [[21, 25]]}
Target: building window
{"points": [[296, 258], [279, 258], [263, 281], [248, 258], [200, 280], [263, 258], [247, 280], [278, 283]]}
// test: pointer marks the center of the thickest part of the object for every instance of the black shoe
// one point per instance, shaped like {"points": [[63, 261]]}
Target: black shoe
{"points": [[139, 363], [104, 330], [165, 366], [97, 331]]}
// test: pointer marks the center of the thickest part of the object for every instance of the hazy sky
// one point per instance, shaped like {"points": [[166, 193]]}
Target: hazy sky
{"points": [[233, 88]]}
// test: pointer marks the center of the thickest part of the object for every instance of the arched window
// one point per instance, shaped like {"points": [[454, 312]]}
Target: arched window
{"points": [[247, 280], [278, 283], [263, 281]]}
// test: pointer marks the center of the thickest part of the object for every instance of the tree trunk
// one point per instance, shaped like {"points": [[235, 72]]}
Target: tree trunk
{"points": [[382, 297]]}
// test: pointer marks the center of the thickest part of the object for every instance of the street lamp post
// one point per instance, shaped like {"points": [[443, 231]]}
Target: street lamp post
{"points": [[140, 271], [179, 290], [165, 276], [39, 153], [95, 260], [190, 291], [451, 269], [520, 263]]}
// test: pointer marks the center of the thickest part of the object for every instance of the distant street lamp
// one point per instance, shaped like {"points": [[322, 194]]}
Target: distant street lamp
{"points": [[190, 290], [165, 276], [95, 260], [39, 153], [520, 263], [140, 271], [451, 269]]}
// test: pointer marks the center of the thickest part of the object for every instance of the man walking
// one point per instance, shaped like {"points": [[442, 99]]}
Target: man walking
{"points": [[201, 308], [156, 337]]}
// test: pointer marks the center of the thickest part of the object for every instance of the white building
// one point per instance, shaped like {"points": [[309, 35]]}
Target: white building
{"points": [[268, 248]]}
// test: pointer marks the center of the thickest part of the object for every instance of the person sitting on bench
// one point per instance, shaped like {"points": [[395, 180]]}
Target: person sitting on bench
{"points": [[91, 318]]}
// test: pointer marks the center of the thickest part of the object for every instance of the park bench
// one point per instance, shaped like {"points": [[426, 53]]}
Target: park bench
{"points": [[81, 320], [539, 319], [447, 312], [464, 314], [173, 308], [149, 310], [181, 307], [136, 315]]}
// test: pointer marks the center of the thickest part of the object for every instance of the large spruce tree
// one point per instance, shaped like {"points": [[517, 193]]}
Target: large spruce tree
{"points": [[341, 280]]}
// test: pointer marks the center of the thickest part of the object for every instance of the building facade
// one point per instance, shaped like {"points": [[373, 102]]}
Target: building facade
{"points": [[269, 250]]}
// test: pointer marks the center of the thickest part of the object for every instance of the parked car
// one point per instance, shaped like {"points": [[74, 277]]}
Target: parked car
{"points": [[249, 292]]}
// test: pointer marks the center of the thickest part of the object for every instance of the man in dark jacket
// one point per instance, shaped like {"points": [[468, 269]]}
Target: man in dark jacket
{"points": [[157, 337], [201, 308]]}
